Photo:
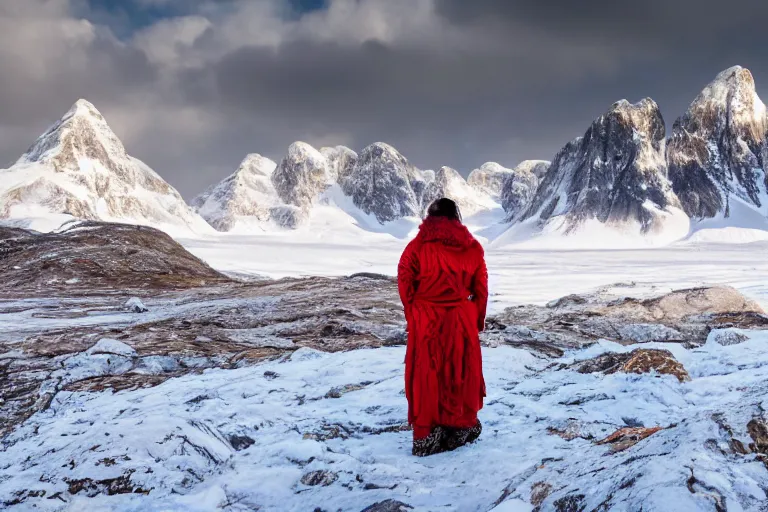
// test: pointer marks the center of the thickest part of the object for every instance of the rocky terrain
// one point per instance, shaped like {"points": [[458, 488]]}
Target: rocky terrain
{"points": [[718, 152], [79, 168], [133, 375]]}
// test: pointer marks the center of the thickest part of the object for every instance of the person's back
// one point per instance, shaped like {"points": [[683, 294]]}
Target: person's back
{"points": [[442, 280]]}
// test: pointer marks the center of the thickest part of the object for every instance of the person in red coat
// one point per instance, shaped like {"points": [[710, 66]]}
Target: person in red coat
{"points": [[443, 284]]}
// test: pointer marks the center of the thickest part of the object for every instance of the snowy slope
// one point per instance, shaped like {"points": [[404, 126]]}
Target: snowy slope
{"points": [[449, 183], [79, 168], [245, 197]]}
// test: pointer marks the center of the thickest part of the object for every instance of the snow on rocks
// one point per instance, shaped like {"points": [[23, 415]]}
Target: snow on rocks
{"points": [[614, 174], [449, 183], [110, 346], [518, 191], [79, 168], [718, 153], [341, 162], [301, 176], [383, 183], [489, 179], [647, 441], [135, 305], [245, 196]]}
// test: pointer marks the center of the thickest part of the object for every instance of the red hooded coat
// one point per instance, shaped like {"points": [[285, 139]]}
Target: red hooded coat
{"points": [[443, 283]]}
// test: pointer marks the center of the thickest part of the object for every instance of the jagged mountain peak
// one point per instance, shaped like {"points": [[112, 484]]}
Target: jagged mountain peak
{"points": [[718, 151], [80, 168], [301, 175], [82, 132], [255, 164], [615, 173]]}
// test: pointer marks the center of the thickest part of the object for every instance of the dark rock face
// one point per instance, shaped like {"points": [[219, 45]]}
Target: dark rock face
{"points": [[301, 176], [518, 191], [615, 173], [383, 183], [717, 152], [388, 506]]}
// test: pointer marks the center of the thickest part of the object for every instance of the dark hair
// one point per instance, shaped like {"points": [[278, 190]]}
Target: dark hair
{"points": [[444, 207]]}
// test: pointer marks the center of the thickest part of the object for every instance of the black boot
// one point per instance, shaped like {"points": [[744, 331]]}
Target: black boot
{"points": [[431, 444]]}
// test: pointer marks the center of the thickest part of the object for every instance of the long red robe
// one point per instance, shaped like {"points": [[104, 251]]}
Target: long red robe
{"points": [[443, 283]]}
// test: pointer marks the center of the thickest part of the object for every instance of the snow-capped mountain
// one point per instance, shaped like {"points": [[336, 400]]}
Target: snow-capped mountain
{"points": [[615, 174], [718, 153], [384, 184], [449, 183], [79, 168], [243, 197], [301, 175], [489, 178]]}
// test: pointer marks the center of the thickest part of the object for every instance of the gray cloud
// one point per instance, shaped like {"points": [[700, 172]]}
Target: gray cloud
{"points": [[459, 85]]}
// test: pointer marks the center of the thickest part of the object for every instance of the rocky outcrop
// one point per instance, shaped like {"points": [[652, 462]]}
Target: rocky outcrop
{"points": [[246, 195], [518, 191], [91, 256], [615, 173], [384, 184], [80, 168], [301, 176], [449, 183], [638, 361], [489, 179], [341, 162], [685, 317], [717, 153]]}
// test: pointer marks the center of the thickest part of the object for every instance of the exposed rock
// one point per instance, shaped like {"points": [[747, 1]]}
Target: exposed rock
{"points": [[570, 503], [489, 179], [385, 185], [80, 168], [322, 478], [388, 506], [301, 176], [718, 153], [758, 431], [615, 173], [682, 316], [92, 256], [627, 437], [246, 195], [518, 191], [341, 162], [539, 492], [638, 361]]}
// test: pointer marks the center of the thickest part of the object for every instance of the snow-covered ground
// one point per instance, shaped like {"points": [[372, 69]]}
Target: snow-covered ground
{"points": [[517, 276], [244, 439]]}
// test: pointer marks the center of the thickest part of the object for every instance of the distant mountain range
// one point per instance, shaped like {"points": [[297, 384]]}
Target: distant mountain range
{"points": [[622, 175]]}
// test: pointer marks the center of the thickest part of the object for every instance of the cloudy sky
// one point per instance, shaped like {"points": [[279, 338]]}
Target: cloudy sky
{"points": [[192, 86]]}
